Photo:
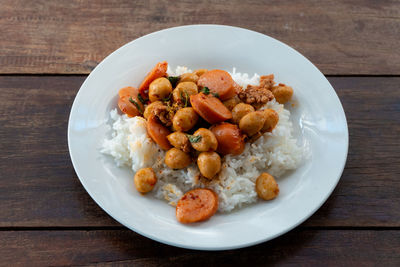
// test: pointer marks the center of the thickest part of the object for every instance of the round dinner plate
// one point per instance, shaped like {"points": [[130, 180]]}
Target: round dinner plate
{"points": [[317, 116]]}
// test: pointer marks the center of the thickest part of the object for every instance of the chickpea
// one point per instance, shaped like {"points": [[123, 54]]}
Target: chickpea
{"points": [[184, 89], [240, 110], [145, 180], [209, 164], [200, 72], [184, 119], [189, 77], [208, 141], [266, 186], [231, 103], [149, 109], [252, 122], [282, 93], [180, 141], [159, 89], [177, 159], [271, 120]]}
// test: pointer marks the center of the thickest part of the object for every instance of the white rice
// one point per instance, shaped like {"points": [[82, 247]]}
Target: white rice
{"points": [[274, 153]]}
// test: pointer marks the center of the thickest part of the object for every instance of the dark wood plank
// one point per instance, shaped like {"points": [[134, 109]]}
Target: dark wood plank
{"points": [[39, 187], [340, 37], [34, 118], [369, 190], [125, 248]]}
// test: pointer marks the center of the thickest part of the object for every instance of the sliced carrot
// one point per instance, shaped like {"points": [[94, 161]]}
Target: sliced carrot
{"points": [[158, 132], [197, 205], [230, 139], [219, 82], [210, 108], [160, 70]]}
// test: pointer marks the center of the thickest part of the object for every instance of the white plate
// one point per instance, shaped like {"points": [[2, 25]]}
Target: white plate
{"points": [[318, 117]]}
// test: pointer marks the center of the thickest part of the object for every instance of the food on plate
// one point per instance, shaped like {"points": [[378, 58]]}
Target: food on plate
{"points": [[240, 110], [128, 101], [266, 186], [160, 70], [231, 103], [229, 137], [158, 132], [219, 82], [177, 159], [145, 179], [252, 122], [210, 108], [196, 205], [271, 120], [159, 89], [128, 91], [282, 93], [183, 91], [199, 72], [180, 141], [209, 164], [204, 140], [257, 95], [189, 77], [151, 108], [184, 119]]}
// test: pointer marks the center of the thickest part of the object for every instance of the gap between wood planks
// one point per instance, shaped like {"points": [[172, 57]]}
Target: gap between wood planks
{"points": [[99, 228]]}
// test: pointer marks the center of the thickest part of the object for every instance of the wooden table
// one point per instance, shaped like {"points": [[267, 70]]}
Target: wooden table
{"points": [[47, 48]]}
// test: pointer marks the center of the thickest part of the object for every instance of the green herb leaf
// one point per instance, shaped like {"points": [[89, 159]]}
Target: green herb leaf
{"points": [[166, 99], [141, 99], [185, 98], [194, 138], [205, 90], [173, 80], [215, 94], [136, 104]]}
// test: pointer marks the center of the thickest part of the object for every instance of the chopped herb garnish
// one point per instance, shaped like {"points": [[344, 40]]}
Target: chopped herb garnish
{"points": [[136, 104], [205, 90], [166, 99], [215, 94], [194, 138], [173, 80], [141, 99], [185, 98]]}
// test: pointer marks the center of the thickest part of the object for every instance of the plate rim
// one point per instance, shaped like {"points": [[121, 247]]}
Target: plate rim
{"points": [[209, 248]]}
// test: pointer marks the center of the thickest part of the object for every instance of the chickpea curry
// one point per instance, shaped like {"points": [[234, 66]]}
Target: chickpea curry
{"points": [[199, 118]]}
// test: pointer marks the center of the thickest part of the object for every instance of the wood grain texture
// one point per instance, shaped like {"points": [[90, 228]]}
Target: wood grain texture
{"points": [[370, 179], [340, 37], [39, 187], [126, 248]]}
